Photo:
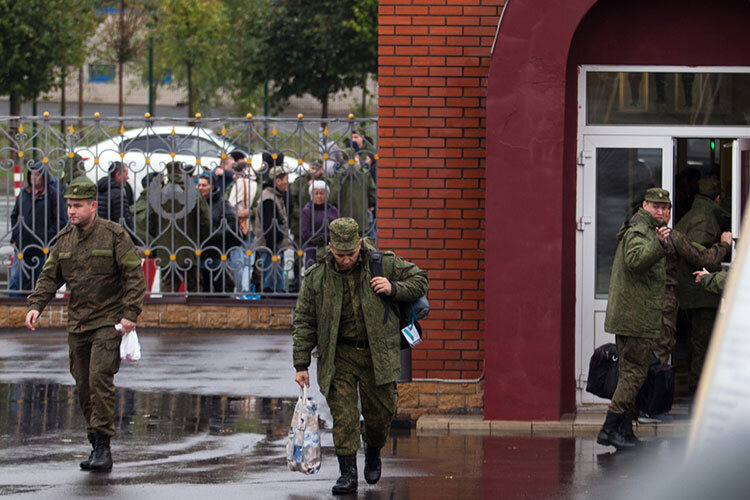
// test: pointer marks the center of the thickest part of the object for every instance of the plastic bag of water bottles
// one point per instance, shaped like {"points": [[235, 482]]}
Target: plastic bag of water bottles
{"points": [[130, 346], [303, 445]]}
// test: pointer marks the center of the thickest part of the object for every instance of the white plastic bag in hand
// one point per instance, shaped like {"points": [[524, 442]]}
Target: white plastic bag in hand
{"points": [[303, 444], [130, 346]]}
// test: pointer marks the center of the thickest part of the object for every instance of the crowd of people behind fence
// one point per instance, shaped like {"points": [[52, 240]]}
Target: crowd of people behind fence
{"points": [[222, 230]]}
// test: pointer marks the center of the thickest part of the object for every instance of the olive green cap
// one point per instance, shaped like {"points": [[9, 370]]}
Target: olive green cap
{"points": [[82, 188], [344, 233], [657, 195], [709, 187]]}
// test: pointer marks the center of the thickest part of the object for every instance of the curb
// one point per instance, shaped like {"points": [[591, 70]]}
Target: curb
{"points": [[584, 423]]}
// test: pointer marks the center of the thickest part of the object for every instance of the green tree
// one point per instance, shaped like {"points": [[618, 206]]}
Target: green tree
{"points": [[190, 39], [39, 38], [316, 48], [122, 36]]}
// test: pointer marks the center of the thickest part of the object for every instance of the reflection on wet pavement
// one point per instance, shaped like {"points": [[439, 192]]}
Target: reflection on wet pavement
{"points": [[176, 439]]}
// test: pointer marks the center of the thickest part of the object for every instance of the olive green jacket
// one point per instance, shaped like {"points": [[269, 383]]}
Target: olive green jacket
{"points": [[715, 282], [701, 225], [102, 273], [638, 280], [353, 192], [681, 249], [318, 311]]}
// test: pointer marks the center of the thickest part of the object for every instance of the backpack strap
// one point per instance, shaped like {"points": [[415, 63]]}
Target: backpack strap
{"points": [[376, 268]]}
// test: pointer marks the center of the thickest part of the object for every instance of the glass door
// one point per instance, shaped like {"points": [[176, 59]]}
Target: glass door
{"points": [[615, 172], [740, 182]]}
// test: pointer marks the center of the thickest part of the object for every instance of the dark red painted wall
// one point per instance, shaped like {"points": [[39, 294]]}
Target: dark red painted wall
{"points": [[531, 171]]}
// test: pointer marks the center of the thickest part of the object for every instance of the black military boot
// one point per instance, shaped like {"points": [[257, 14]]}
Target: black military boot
{"points": [[347, 483], [372, 464], [102, 459], [626, 429], [85, 464], [610, 433]]}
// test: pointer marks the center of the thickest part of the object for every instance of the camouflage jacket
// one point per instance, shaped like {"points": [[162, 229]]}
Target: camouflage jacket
{"points": [[701, 225], [101, 271], [638, 280], [701, 222], [681, 249], [354, 192], [318, 312], [715, 282]]}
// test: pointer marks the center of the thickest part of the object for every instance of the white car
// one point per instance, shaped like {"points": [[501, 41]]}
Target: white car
{"points": [[146, 150]]}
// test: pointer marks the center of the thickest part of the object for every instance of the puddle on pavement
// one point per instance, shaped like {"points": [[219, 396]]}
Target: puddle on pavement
{"points": [[175, 440]]}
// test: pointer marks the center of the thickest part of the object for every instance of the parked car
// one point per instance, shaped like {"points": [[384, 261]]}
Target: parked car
{"points": [[146, 150]]}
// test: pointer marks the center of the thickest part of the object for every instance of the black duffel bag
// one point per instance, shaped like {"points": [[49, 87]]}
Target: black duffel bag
{"points": [[603, 371], [656, 395]]}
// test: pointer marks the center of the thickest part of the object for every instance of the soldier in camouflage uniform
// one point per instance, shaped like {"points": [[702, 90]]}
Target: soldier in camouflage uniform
{"points": [[341, 310], [702, 225], [96, 259], [634, 309], [712, 282], [681, 249]]}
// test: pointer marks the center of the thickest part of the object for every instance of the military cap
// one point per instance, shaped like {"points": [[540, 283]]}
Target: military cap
{"points": [[82, 188], [657, 195], [709, 187], [344, 233]]}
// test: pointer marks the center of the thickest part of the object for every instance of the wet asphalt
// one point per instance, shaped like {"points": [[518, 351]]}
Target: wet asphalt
{"points": [[206, 415]]}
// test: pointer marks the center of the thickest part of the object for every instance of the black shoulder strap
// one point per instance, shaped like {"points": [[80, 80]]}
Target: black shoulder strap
{"points": [[376, 268], [376, 263]]}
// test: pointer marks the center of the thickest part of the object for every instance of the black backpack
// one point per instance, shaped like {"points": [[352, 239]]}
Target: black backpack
{"points": [[408, 312]]}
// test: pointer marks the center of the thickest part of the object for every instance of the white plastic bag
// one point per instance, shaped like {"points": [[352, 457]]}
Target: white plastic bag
{"points": [[130, 346], [303, 445]]}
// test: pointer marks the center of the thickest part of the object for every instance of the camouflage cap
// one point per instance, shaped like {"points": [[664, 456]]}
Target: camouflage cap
{"points": [[277, 171], [709, 187], [657, 195], [344, 233], [82, 188]]}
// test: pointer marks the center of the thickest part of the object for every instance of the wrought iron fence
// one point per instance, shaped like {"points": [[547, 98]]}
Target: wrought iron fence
{"points": [[234, 207]]}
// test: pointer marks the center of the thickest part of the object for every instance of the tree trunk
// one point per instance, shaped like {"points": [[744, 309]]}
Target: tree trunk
{"points": [[15, 110], [120, 63], [190, 90], [324, 108], [80, 99], [15, 104], [63, 103]]}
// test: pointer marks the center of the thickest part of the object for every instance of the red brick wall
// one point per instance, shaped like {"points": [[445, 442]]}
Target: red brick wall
{"points": [[433, 65]]}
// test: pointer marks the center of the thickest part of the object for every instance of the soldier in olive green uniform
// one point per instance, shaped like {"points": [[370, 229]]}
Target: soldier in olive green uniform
{"points": [[96, 259], [700, 224], [634, 309], [354, 193], [341, 310], [712, 282], [681, 249]]}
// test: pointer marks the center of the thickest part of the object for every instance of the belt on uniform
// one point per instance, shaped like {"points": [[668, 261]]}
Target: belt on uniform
{"points": [[360, 345], [670, 288]]}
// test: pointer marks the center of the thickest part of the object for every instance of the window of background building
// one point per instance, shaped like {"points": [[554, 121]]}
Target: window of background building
{"points": [[101, 73]]}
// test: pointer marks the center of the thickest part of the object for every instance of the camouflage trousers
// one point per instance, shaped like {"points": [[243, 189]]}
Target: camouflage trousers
{"points": [[664, 344], [634, 354], [701, 326], [94, 360], [354, 369]]}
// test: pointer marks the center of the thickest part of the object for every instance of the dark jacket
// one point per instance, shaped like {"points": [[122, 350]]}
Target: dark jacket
{"points": [[115, 201], [223, 232], [42, 218], [314, 227]]}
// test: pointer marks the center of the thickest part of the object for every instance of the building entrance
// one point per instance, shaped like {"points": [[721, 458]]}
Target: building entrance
{"points": [[617, 163]]}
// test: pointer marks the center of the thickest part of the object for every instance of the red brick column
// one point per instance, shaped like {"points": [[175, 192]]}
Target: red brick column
{"points": [[433, 65]]}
